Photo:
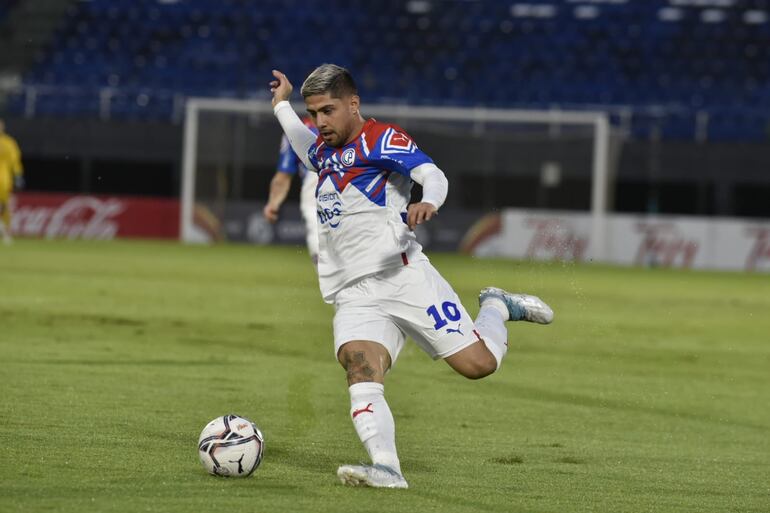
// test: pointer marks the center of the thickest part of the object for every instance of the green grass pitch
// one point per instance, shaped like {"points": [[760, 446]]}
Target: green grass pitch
{"points": [[649, 393]]}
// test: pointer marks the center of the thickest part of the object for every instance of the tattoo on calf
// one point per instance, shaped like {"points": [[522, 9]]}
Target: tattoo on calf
{"points": [[357, 357], [358, 368]]}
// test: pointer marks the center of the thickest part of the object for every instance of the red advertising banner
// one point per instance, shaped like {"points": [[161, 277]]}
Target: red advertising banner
{"points": [[79, 216]]}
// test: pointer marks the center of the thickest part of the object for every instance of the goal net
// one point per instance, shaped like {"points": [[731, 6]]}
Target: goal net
{"points": [[493, 158]]}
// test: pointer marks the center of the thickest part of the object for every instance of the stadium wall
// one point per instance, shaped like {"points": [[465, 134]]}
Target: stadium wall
{"points": [[686, 242], [635, 240], [143, 159]]}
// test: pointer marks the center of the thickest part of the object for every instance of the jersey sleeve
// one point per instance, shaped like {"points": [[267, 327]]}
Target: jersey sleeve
{"points": [[288, 162], [397, 151], [299, 135]]}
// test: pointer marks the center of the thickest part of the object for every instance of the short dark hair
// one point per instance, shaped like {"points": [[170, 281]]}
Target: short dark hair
{"points": [[329, 78]]}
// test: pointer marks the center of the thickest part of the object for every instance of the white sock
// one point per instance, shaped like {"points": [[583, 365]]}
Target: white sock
{"points": [[498, 305], [374, 423], [490, 323]]}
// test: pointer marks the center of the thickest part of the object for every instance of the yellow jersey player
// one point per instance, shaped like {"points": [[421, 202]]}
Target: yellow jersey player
{"points": [[10, 179]]}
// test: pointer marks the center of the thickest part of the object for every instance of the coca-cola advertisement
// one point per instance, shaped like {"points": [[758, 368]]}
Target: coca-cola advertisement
{"points": [[94, 217]]}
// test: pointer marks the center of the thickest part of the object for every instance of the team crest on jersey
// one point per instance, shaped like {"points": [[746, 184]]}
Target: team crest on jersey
{"points": [[397, 142], [348, 157]]}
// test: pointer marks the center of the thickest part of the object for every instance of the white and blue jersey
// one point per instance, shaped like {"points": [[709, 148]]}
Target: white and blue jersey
{"points": [[288, 161], [362, 196]]}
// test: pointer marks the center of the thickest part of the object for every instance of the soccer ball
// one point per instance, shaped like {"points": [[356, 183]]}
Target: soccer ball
{"points": [[231, 446]]}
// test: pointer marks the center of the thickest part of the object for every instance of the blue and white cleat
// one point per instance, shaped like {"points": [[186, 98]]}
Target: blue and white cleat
{"points": [[521, 307], [376, 476]]}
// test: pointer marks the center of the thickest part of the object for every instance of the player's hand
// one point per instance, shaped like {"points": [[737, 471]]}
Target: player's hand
{"points": [[18, 183], [418, 213], [280, 87], [270, 212]]}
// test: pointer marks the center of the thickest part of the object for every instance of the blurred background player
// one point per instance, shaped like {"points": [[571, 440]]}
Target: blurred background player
{"points": [[289, 165], [10, 179]]}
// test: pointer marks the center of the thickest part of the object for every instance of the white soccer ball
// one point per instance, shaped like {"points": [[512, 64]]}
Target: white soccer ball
{"points": [[231, 446]]}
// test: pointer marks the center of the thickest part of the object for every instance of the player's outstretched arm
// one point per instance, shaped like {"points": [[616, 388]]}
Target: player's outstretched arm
{"points": [[300, 137]]}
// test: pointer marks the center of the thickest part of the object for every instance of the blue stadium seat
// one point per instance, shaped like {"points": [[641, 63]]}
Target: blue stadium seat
{"points": [[633, 54]]}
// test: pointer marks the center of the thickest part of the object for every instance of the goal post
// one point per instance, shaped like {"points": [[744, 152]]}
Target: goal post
{"points": [[472, 120]]}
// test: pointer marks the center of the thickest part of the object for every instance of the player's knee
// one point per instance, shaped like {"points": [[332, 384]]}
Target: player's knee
{"points": [[473, 362], [479, 367]]}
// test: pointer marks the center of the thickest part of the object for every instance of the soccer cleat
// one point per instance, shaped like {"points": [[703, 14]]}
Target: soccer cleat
{"points": [[376, 476], [521, 307]]}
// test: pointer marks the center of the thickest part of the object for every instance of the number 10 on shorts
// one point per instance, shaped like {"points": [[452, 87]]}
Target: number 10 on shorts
{"points": [[450, 311]]}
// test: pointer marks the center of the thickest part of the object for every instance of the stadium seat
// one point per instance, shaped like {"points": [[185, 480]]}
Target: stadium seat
{"points": [[612, 54]]}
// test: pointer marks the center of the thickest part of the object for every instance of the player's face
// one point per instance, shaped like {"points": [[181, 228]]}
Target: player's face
{"points": [[335, 118]]}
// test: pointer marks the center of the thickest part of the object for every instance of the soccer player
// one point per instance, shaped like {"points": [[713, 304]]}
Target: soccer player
{"points": [[371, 267], [290, 165], [11, 179]]}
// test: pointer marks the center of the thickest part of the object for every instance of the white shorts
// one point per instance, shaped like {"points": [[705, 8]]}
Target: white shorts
{"points": [[413, 300], [307, 205]]}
